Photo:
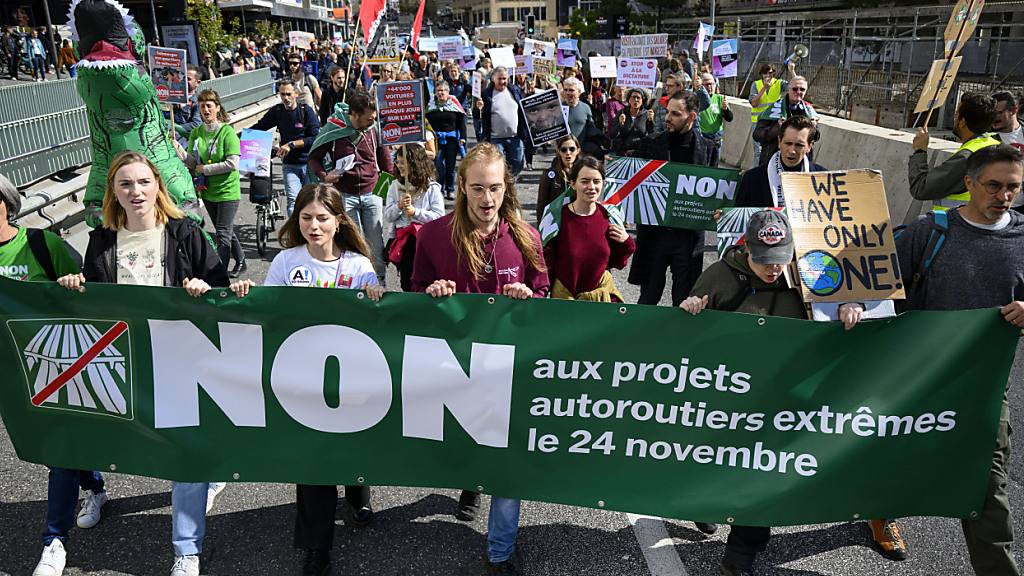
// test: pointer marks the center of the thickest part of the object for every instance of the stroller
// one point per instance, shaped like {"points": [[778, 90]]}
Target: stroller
{"points": [[268, 209]]}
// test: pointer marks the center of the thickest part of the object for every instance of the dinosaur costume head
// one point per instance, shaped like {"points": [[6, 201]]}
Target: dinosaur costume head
{"points": [[123, 110]]}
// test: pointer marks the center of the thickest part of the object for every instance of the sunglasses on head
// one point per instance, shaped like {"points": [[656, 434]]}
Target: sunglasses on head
{"points": [[568, 149]]}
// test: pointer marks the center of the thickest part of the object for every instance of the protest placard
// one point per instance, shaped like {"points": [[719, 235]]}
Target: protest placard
{"points": [[400, 112], [256, 146], [565, 55], [544, 119], [428, 44], [668, 193], [543, 67], [478, 81], [844, 243], [449, 48], [167, 69], [732, 227], [705, 32], [637, 73], [644, 46], [524, 64], [183, 36], [724, 58], [938, 84], [539, 49], [961, 25], [503, 56], [385, 51], [469, 60], [603, 67], [299, 39], [311, 68]]}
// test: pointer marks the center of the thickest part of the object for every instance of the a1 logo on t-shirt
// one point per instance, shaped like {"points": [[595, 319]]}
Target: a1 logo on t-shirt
{"points": [[345, 281], [300, 276]]}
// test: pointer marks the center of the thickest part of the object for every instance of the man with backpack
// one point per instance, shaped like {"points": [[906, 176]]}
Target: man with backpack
{"points": [[749, 278], [969, 258]]}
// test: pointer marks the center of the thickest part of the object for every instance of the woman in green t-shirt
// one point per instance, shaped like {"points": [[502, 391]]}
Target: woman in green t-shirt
{"points": [[212, 155]]}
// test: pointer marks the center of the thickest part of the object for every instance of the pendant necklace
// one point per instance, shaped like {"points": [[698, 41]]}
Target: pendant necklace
{"points": [[487, 267]]}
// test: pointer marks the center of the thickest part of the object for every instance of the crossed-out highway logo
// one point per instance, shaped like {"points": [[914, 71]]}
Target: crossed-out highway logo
{"points": [[76, 364]]}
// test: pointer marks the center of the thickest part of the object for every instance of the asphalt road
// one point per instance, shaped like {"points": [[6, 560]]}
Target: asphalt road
{"points": [[415, 532]]}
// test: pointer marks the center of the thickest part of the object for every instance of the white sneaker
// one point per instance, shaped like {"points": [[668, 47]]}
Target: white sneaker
{"points": [[89, 515], [212, 492], [185, 566], [51, 563]]}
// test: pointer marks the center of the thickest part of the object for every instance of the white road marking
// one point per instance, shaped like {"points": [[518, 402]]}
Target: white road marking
{"points": [[659, 549]]}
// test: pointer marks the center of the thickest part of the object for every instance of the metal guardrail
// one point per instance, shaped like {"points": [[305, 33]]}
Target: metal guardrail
{"points": [[44, 128]]}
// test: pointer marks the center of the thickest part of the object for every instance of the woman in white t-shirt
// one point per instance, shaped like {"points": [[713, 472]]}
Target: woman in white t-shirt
{"points": [[323, 249]]}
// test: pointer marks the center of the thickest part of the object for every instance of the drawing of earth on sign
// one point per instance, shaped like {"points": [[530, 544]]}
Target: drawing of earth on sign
{"points": [[647, 202], [820, 272]]}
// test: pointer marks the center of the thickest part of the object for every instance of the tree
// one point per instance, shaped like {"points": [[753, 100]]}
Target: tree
{"points": [[583, 25], [268, 30], [210, 22]]}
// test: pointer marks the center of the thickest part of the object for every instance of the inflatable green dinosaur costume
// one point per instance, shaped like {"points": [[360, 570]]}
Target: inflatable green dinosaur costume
{"points": [[123, 110]]}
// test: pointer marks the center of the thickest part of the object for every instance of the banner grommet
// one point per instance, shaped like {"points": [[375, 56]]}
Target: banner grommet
{"points": [[361, 480], [730, 520], [223, 293], [479, 488], [600, 503], [622, 309], [856, 516], [360, 295], [113, 467], [490, 299], [761, 321], [235, 476]]}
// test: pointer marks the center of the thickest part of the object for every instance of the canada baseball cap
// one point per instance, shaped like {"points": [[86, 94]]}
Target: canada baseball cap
{"points": [[769, 238]]}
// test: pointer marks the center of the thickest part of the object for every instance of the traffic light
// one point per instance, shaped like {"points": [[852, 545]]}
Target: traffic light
{"points": [[530, 21]]}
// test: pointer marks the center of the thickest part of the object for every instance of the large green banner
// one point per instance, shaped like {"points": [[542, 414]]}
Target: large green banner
{"points": [[671, 194], [719, 417]]}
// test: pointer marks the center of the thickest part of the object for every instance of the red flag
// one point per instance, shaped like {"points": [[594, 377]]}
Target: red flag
{"points": [[417, 25], [369, 17]]}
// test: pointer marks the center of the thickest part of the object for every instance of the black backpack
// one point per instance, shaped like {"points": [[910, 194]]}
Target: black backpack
{"points": [[41, 252]]}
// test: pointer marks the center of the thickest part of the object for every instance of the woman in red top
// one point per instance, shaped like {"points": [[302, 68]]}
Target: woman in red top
{"points": [[590, 241]]}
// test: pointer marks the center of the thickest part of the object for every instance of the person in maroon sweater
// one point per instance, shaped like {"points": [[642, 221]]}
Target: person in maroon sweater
{"points": [[589, 243], [356, 162], [483, 246]]}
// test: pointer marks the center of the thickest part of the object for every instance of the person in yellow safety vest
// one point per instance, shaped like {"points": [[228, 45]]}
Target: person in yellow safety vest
{"points": [[944, 184], [764, 93]]}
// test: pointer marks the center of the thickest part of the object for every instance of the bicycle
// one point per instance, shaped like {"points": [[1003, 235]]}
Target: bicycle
{"points": [[268, 210]]}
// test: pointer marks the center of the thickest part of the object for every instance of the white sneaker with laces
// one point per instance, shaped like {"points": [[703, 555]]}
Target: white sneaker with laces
{"points": [[212, 492], [185, 566], [90, 513], [51, 563]]}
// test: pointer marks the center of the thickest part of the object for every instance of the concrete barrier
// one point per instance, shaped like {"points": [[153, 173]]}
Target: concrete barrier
{"points": [[846, 145]]}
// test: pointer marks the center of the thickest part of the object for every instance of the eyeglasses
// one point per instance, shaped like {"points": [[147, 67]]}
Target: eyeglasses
{"points": [[295, 63], [994, 187], [567, 149], [495, 190], [796, 89]]}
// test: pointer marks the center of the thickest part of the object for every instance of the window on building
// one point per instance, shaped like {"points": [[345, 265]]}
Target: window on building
{"points": [[508, 14], [541, 12]]}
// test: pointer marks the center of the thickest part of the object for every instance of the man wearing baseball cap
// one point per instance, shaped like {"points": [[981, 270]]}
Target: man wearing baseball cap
{"points": [[749, 278]]}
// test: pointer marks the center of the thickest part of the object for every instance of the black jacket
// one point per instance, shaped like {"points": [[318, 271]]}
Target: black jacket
{"points": [[485, 115], [189, 251], [656, 242], [753, 190]]}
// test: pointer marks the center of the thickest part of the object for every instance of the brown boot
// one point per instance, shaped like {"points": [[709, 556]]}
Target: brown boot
{"points": [[886, 534]]}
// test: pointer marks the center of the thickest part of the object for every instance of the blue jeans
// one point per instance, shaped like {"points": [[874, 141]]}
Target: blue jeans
{"points": [[294, 178], [366, 211], [39, 67], [62, 499], [447, 155], [188, 517], [512, 149], [502, 528]]}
